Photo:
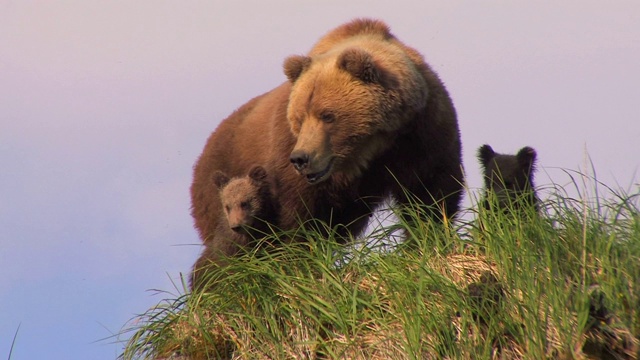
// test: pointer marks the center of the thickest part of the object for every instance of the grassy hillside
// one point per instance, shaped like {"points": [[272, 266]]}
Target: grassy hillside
{"points": [[564, 284]]}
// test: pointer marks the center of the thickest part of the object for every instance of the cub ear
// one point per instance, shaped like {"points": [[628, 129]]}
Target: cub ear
{"points": [[485, 154], [295, 65], [527, 157], [360, 64], [258, 173], [220, 179]]}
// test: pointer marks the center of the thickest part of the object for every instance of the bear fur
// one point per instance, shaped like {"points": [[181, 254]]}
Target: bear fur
{"points": [[509, 178], [361, 118], [251, 211]]}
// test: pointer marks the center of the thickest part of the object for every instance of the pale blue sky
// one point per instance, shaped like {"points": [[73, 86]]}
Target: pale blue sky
{"points": [[105, 106]]}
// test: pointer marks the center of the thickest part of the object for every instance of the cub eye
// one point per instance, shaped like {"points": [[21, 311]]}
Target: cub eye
{"points": [[327, 117], [245, 205], [227, 208]]}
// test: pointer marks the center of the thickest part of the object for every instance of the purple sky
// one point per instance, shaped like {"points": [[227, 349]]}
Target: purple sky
{"points": [[105, 106]]}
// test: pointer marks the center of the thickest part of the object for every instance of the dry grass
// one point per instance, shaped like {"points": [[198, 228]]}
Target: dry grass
{"points": [[558, 286]]}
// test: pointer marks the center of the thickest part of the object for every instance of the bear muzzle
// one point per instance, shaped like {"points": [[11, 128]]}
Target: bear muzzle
{"points": [[303, 163], [241, 228], [299, 159]]}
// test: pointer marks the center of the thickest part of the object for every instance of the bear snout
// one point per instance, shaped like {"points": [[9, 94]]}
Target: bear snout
{"points": [[299, 159], [235, 220], [312, 167]]}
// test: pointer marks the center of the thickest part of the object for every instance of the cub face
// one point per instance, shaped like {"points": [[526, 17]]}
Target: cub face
{"points": [[242, 198], [509, 177]]}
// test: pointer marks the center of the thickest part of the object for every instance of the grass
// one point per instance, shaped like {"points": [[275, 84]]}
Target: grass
{"points": [[13, 342], [560, 284]]}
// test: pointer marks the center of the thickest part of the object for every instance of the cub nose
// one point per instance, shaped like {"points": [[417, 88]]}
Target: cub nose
{"points": [[299, 159]]}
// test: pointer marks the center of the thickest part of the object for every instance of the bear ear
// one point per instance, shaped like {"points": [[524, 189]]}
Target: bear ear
{"points": [[485, 154], [295, 65], [220, 179], [360, 64], [527, 157], [258, 173]]}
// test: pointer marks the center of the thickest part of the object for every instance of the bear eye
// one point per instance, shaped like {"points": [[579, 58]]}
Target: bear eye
{"points": [[245, 205], [227, 208], [327, 117]]}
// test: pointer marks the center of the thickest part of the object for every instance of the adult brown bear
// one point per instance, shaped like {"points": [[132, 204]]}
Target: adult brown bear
{"points": [[362, 118]]}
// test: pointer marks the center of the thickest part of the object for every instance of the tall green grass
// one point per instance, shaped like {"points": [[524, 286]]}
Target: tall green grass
{"points": [[560, 283]]}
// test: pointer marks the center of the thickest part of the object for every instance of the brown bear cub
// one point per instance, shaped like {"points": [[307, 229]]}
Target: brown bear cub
{"points": [[248, 202], [508, 179], [251, 211]]}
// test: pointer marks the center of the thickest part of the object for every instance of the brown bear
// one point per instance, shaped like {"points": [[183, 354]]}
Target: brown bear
{"points": [[251, 211], [248, 202], [361, 118], [509, 178]]}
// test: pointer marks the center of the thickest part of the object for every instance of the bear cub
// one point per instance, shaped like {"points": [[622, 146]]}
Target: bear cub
{"points": [[251, 210], [508, 179], [248, 202]]}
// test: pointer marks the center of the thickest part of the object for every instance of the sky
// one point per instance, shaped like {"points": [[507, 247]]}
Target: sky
{"points": [[106, 105]]}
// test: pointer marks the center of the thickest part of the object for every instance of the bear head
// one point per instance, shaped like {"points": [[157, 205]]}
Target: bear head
{"points": [[348, 104], [509, 177], [244, 199]]}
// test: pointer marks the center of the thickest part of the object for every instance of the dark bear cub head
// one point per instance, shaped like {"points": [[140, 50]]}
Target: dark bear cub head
{"points": [[248, 201], [508, 179]]}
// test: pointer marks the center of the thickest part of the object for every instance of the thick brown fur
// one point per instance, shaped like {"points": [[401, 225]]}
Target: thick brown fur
{"points": [[362, 117], [251, 211], [509, 178]]}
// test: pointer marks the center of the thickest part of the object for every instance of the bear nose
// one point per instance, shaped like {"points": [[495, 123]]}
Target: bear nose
{"points": [[299, 159]]}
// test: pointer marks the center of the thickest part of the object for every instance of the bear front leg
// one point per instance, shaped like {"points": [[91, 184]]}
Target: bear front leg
{"points": [[439, 204]]}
